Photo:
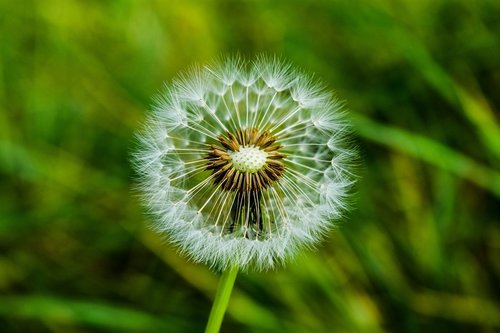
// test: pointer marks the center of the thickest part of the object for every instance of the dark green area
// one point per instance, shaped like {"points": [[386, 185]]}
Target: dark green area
{"points": [[420, 251]]}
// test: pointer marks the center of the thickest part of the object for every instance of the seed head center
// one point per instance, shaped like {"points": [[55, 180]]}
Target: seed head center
{"points": [[248, 159]]}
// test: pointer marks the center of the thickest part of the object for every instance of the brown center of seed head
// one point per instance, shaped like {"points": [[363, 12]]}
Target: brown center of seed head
{"points": [[224, 172]]}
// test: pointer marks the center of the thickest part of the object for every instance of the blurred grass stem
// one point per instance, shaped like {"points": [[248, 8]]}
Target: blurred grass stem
{"points": [[221, 299]]}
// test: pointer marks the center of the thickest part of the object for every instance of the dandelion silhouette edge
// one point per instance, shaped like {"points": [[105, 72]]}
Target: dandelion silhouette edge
{"points": [[245, 163]]}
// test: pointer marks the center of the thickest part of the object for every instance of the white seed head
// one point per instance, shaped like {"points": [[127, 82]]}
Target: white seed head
{"points": [[245, 163], [248, 159]]}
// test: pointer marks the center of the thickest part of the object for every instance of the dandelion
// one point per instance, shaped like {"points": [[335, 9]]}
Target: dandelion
{"points": [[243, 164]]}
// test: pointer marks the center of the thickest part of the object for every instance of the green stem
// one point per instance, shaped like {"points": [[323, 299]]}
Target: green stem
{"points": [[221, 299]]}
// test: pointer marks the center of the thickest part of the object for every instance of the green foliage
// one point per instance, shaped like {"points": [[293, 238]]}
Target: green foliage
{"points": [[418, 253]]}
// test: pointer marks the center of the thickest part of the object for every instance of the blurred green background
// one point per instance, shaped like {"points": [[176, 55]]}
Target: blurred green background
{"points": [[419, 253]]}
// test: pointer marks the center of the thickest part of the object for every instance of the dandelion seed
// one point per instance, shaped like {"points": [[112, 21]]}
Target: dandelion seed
{"points": [[243, 164]]}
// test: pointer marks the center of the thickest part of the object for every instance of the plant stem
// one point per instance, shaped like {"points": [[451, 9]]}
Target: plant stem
{"points": [[221, 299]]}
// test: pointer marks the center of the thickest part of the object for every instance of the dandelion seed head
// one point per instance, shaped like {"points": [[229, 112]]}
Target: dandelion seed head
{"points": [[245, 163]]}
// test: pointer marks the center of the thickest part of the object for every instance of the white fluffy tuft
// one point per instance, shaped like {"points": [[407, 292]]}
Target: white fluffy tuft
{"points": [[230, 94]]}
